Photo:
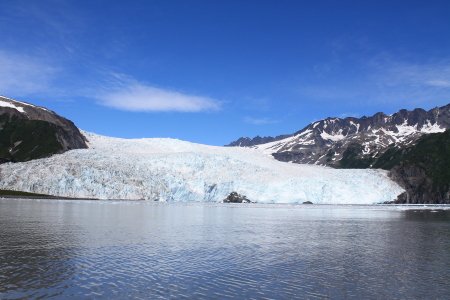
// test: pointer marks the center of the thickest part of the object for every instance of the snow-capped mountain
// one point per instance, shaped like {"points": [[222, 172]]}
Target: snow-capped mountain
{"points": [[173, 170], [328, 141]]}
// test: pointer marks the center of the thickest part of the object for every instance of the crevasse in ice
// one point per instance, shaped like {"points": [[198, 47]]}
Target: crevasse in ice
{"points": [[172, 170]]}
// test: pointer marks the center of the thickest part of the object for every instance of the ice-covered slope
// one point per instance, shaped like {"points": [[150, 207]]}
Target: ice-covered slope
{"points": [[173, 170]]}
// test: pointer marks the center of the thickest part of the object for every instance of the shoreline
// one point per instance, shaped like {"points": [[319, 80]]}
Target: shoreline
{"points": [[45, 197], [379, 206]]}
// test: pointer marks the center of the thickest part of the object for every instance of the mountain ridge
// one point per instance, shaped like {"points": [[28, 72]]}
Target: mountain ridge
{"points": [[324, 142]]}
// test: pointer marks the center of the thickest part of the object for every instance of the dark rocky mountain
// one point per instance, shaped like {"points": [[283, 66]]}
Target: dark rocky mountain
{"points": [[29, 132], [248, 142], [372, 142]]}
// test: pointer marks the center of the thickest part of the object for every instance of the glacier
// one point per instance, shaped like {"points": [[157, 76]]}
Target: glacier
{"points": [[163, 169]]}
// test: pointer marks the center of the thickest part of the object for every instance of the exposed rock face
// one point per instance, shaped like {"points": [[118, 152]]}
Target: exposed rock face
{"points": [[15, 114], [234, 197], [419, 187]]}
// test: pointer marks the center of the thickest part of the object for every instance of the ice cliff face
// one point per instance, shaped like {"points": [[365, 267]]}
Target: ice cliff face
{"points": [[173, 170]]}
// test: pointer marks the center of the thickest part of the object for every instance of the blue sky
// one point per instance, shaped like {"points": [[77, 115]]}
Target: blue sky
{"points": [[212, 71]]}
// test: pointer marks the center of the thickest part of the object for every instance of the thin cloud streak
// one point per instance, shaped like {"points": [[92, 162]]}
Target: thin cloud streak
{"points": [[440, 83], [263, 121], [348, 114]]}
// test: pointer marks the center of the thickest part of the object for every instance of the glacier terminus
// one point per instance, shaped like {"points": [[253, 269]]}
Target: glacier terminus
{"points": [[163, 169]]}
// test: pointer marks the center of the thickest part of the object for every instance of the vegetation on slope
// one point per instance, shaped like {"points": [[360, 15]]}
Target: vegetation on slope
{"points": [[353, 159], [422, 169], [23, 139]]}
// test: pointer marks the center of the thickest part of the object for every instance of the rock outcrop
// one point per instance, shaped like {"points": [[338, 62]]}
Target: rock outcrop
{"points": [[234, 197]]}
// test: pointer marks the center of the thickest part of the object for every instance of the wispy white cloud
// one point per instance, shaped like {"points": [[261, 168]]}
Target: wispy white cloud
{"points": [[126, 93], [57, 25], [393, 72], [418, 83], [440, 83], [386, 80], [261, 121], [22, 75]]}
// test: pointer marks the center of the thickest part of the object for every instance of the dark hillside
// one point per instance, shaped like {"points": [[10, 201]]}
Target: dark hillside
{"points": [[29, 132], [23, 140], [423, 170]]}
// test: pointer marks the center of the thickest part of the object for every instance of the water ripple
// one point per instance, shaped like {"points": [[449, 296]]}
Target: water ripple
{"points": [[92, 250]]}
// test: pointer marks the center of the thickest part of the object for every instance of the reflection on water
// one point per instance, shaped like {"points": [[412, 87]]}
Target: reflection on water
{"points": [[114, 250]]}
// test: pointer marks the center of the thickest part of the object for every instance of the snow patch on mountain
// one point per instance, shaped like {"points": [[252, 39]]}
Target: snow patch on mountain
{"points": [[7, 104], [333, 137], [431, 128], [173, 170], [13, 104], [269, 148]]}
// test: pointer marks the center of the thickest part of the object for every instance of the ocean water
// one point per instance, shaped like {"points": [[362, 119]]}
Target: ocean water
{"points": [[54, 249]]}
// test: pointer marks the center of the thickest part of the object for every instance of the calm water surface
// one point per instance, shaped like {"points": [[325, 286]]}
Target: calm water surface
{"points": [[116, 250]]}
